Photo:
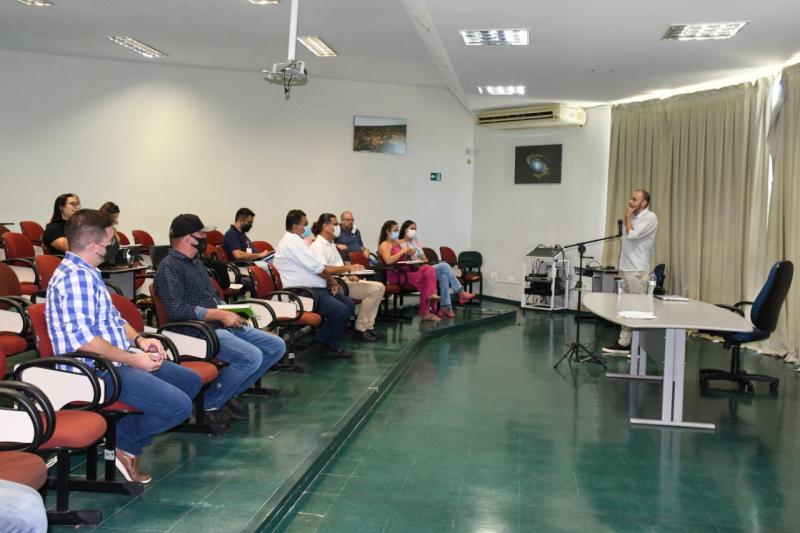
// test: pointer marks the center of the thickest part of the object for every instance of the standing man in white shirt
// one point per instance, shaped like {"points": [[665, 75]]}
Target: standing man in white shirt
{"points": [[636, 256], [299, 268], [368, 293]]}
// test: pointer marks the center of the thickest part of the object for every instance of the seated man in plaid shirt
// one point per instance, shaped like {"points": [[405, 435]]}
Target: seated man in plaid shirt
{"points": [[81, 317]]}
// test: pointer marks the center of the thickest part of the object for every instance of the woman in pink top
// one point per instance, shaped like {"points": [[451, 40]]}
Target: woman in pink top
{"points": [[423, 278]]}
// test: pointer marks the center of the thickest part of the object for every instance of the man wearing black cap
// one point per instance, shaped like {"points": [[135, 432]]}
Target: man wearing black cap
{"points": [[183, 284]]}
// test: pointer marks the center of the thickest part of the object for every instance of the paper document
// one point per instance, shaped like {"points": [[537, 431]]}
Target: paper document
{"points": [[672, 298], [361, 273], [241, 309], [643, 315]]}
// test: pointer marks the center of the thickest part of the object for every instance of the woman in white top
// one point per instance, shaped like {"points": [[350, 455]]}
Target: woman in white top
{"points": [[445, 277]]}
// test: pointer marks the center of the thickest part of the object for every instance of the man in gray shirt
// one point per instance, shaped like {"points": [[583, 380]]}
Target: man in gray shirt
{"points": [[636, 256]]}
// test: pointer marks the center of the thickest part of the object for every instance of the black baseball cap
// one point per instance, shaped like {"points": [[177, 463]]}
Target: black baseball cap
{"points": [[186, 224]]}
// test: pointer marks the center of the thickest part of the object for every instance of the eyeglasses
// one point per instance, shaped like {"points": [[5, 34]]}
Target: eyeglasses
{"points": [[348, 219], [76, 205]]}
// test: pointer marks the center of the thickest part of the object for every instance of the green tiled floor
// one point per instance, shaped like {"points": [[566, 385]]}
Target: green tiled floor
{"points": [[206, 483], [481, 434]]}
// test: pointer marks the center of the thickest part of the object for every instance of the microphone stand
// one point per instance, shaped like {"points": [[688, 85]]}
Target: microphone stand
{"points": [[579, 352]]}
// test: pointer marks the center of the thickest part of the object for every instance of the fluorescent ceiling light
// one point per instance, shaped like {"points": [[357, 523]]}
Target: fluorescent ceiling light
{"points": [[494, 37], [264, 2], [317, 46], [132, 44], [702, 32], [502, 90], [35, 3]]}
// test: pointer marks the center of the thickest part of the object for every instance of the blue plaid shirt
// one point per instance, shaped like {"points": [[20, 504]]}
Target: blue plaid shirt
{"points": [[78, 308]]}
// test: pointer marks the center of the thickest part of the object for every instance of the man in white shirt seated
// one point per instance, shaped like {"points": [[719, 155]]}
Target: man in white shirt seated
{"points": [[636, 257], [369, 293], [299, 268]]}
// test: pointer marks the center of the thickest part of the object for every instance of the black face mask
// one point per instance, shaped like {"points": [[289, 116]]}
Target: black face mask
{"points": [[111, 250], [201, 245], [246, 228]]}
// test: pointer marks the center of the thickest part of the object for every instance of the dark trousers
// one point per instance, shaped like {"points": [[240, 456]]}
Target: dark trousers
{"points": [[335, 311]]}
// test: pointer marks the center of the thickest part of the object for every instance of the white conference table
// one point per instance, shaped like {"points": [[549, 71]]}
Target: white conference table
{"points": [[663, 336]]}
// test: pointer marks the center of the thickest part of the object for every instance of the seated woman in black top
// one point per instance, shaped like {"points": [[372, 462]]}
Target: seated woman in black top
{"points": [[54, 239]]}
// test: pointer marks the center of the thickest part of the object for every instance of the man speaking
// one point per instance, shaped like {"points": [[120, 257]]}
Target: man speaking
{"points": [[636, 256]]}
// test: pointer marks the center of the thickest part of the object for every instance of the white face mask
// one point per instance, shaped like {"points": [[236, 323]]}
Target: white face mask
{"points": [[410, 233], [337, 230]]}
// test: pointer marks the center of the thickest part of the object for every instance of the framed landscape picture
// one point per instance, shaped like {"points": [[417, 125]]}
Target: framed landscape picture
{"points": [[379, 135], [538, 164]]}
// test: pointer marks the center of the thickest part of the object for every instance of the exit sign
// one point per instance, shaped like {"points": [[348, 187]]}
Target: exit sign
{"points": [[436, 176]]}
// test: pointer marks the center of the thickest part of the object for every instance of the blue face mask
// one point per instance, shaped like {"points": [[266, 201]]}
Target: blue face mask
{"points": [[395, 235], [306, 232]]}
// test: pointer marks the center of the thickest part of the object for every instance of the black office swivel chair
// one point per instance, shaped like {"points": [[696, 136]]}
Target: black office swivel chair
{"points": [[660, 273], [764, 315]]}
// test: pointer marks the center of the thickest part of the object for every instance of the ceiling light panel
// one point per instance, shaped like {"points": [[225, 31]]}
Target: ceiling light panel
{"points": [[317, 46], [139, 47], [35, 3], [703, 32], [264, 2], [495, 37], [502, 90]]}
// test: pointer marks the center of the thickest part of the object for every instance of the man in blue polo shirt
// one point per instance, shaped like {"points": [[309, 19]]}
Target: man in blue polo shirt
{"points": [[349, 239], [237, 244], [81, 317]]}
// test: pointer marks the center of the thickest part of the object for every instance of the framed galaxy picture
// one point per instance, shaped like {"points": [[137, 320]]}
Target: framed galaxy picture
{"points": [[538, 164]]}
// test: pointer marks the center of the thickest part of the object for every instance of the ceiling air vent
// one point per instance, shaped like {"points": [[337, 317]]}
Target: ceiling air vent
{"points": [[550, 115]]}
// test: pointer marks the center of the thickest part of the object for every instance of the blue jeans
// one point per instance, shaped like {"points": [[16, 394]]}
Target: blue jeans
{"points": [[446, 279], [21, 509], [164, 397], [249, 353], [336, 311]]}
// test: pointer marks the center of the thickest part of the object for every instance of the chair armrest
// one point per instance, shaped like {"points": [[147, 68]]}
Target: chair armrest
{"points": [[343, 285], [27, 262], [113, 287], [18, 305], [15, 433], [41, 293], [206, 332], [64, 387], [732, 308], [260, 321], [743, 303], [169, 347], [287, 298], [304, 292]]}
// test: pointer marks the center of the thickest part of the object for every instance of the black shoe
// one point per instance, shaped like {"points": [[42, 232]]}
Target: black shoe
{"points": [[617, 349], [237, 410], [364, 336], [327, 353], [375, 334], [217, 421]]}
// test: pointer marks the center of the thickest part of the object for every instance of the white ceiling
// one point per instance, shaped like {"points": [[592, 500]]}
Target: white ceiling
{"points": [[417, 41]]}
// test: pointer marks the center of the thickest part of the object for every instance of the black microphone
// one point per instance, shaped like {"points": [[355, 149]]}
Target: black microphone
{"points": [[619, 227]]}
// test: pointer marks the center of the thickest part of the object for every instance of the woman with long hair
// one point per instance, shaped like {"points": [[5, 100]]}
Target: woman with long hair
{"points": [[445, 276], [54, 238], [391, 251]]}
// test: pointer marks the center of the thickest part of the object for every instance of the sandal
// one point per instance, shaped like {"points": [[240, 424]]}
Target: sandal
{"points": [[432, 318]]}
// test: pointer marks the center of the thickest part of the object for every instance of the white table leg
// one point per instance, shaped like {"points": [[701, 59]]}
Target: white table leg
{"points": [[672, 392], [638, 368]]}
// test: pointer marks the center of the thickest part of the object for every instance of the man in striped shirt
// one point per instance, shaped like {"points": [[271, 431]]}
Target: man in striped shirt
{"points": [[81, 317]]}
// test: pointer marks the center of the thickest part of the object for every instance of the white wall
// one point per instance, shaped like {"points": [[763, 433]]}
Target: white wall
{"points": [[162, 140], [510, 220]]}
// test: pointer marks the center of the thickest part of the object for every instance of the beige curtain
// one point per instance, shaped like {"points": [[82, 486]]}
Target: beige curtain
{"points": [[784, 218], [703, 158]]}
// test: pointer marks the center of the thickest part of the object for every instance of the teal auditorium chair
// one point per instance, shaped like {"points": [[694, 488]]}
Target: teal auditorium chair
{"points": [[764, 315]]}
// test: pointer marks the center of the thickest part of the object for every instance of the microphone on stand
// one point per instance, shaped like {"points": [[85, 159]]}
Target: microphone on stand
{"points": [[619, 227]]}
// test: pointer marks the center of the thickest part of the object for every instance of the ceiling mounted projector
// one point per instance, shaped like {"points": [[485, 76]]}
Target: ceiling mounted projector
{"points": [[291, 72]]}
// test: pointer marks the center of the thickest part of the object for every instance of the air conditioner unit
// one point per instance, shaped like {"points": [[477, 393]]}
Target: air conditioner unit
{"points": [[532, 117]]}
